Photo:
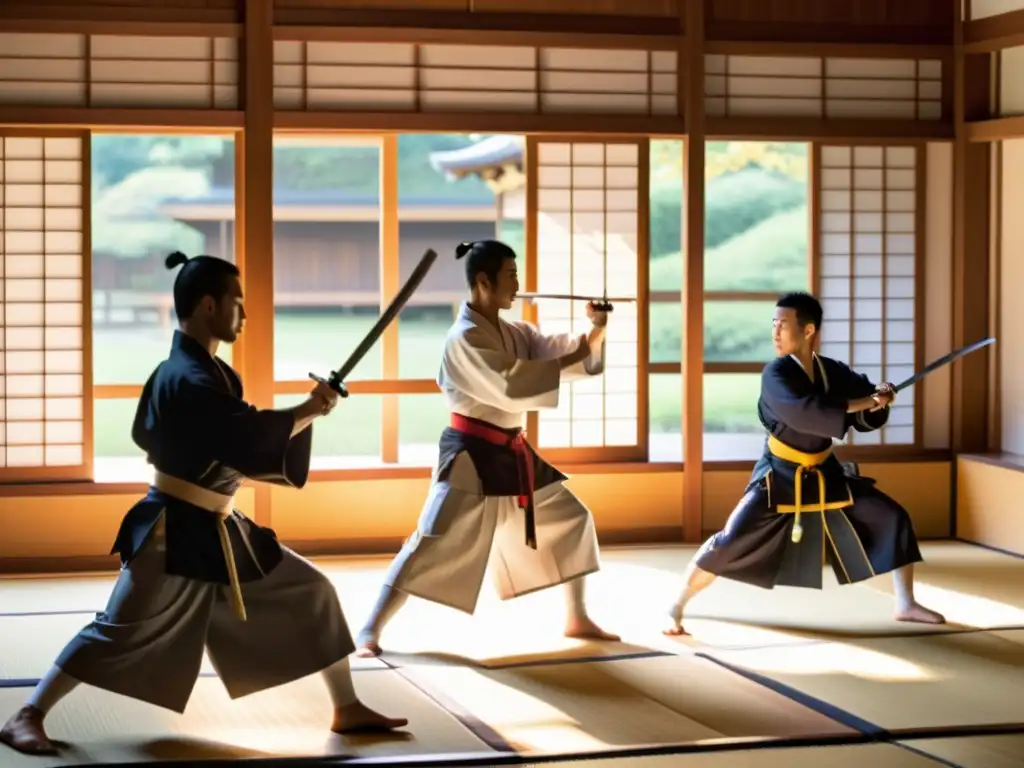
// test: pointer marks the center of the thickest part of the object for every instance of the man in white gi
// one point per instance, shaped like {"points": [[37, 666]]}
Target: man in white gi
{"points": [[491, 492], [196, 573]]}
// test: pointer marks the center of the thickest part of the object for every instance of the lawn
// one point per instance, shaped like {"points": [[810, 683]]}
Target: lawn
{"points": [[319, 342]]}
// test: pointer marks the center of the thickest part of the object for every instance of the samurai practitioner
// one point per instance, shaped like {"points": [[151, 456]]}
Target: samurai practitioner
{"points": [[802, 507], [491, 492], [196, 573]]}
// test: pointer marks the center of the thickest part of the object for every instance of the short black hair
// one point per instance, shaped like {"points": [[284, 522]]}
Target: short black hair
{"points": [[808, 308], [200, 276], [485, 256]]}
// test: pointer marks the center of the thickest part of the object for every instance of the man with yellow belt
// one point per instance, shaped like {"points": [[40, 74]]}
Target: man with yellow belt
{"points": [[801, 508], [196, 573]]}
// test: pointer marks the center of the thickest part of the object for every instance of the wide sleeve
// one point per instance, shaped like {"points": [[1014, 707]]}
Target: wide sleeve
{"points": [[472, 364], [257, 443], [812, 413], [855, 386], [553, 346]]}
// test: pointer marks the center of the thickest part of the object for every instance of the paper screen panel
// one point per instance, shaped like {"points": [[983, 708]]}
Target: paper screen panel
{"points": [[830, 88], [45, 70], [867, 271], [472, 78], [118, 71], [184, 72], [982, 9], [42, 410], [587, 238]]}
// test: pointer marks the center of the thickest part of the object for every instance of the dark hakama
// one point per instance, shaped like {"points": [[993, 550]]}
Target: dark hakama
{"points": [[176, 595], [799, 485], [505, 462]]}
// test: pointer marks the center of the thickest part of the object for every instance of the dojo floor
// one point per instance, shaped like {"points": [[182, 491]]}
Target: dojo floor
{"points": [[787, 677]]}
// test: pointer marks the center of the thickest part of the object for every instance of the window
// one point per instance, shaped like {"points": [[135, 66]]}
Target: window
{"points": [[151, 194], [451, 188], [353, 215], [44, 378], [757, 225], [867, 283], [328, 231], [587, 242], [665, 306]]}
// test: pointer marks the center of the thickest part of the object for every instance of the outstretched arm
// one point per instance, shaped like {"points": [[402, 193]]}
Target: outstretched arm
{"points": [[543, 346]]}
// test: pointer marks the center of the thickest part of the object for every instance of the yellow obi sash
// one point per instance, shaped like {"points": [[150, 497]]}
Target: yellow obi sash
{"points": [[806, 462], [218, 504]]}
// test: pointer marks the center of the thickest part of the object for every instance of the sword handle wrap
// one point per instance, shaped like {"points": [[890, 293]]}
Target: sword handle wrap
{"points": [[333, 383], [603, 306]]}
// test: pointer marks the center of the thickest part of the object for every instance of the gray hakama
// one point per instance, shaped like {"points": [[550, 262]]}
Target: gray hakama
{"points": [[197, 574], [491, 493]]}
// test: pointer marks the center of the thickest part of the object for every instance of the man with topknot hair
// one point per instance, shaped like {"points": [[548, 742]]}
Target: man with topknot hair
{"points": [[491, 492], [196, 573]]}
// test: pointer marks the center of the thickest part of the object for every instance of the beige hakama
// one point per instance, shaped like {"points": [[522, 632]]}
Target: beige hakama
{"points": [[460, 529], [494, 375]]}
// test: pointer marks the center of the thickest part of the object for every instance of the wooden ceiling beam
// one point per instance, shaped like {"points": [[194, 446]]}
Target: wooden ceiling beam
{"points": [[995, 33]]}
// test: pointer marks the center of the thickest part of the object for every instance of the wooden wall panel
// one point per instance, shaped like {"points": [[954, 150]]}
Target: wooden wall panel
{"points": [[308, 520], [607, 7], [938, 304], [985, 512], [869, 21], [174, 11], [87, 527], [643, 17]]}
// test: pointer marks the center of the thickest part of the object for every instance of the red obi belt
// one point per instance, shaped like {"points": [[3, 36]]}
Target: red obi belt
{"points": [[524, 463]]}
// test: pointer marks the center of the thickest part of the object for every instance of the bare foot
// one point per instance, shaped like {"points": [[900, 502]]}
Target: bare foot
{"points": [[675, 613], [25, 733], [359, 718], [917, 613], [368, 650], [586, 629]]}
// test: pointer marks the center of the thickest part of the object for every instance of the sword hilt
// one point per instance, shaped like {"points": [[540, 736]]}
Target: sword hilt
{"points": [[334, 383], [603, 306]]}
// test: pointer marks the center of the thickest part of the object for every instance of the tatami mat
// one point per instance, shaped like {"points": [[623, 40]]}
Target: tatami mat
{"points": [[973, 585], [977, 751], [908, 682], [642, 582], [592, 706], [499, 680], [293, 720], [875, 755]]}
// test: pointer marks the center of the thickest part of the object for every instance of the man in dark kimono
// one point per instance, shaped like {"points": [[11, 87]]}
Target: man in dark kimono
{"points": [[195, 572], [801, 508]]}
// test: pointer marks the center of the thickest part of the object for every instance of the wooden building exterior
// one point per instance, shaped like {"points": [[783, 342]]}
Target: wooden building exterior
{"points": [[909, 101]]}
